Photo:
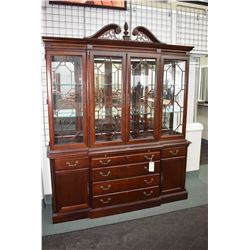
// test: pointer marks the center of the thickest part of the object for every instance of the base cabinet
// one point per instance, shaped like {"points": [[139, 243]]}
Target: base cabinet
{"points": [[173, 174], [106, 183], [71, 190]]}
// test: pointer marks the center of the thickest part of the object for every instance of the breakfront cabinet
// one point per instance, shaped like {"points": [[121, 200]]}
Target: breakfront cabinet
{"points": [[117, 117]]}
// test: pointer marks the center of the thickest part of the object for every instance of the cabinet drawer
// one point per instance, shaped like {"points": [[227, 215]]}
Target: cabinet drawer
{"points": [[174, 152], [124, 159], [71, 163], [106, 187], [119, 172], [143, 194], [142, 169], [143, 181], [124, 197]]}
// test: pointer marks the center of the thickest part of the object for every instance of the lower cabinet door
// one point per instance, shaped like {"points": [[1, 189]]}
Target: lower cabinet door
{"points": [[173, 174], [71, 190]]}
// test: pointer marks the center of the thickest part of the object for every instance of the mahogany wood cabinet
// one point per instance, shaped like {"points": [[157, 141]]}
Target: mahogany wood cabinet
{"points": [[117, 108]]}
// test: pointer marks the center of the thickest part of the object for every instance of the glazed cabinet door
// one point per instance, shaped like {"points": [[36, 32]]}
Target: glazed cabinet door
{"points": [[66, 99], [107, 96], [71, 190], [173, 174], [174, 98], [142, 97]]}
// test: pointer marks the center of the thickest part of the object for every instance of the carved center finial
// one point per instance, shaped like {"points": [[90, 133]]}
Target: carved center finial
{"points": [[126, 36], [125, 28]]}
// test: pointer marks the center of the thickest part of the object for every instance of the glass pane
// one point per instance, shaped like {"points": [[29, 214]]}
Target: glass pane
{"points": [[142, 98], [67, 99], [173, 97], [108, 98]]}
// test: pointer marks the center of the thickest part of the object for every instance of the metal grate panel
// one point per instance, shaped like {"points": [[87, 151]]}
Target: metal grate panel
{"points": [[157, 19], [191, 27]]}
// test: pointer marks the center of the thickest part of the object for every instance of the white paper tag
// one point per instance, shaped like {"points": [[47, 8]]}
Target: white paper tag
{"points": [[151, 167]]}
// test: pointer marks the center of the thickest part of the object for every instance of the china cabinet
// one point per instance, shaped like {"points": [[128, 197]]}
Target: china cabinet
{"points": [[117, 107]]}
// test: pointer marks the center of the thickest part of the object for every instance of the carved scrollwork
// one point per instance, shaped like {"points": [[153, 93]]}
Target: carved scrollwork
{"points": [[110, 34], [144, 35], [109, 31], [140, 37]]}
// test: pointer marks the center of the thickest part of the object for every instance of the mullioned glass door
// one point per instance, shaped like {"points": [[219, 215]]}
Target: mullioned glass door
{"points": [[108, 81], [67, 99], [142, 90], [173, 97]]}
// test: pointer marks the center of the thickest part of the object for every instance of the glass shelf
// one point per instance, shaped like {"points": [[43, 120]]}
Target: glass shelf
{"points": [[140, 113], [67, 117], [66, 84]]}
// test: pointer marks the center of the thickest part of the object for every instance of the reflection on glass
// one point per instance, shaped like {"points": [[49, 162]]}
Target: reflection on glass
{"points": [[108, 98], [173, 97], [67, 99], [142, 98]]}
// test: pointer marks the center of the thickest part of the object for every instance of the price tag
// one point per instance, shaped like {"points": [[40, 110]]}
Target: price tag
{"points": [[151, 167]]}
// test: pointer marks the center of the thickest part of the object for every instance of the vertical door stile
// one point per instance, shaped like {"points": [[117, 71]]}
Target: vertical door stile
{"points": [[158, 98], [124, 98], [185, 97], [127, 97]]}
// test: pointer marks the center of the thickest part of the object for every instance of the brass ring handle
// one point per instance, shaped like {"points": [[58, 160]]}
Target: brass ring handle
{"points": [[174, 153], [105, 188], [104, 202], [72, 165], [148, 194], [149, 158], [102, 174], [148, 182], [105, 163]]}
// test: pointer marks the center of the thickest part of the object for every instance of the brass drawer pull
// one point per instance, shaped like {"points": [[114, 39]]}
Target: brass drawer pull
{"points": [[72, 165], [148, 194], [105, 188], [148, 182], [102, 174], [105, 163], [149, 158], [105, 201], [174, 153], [146, 168]]}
